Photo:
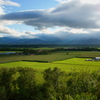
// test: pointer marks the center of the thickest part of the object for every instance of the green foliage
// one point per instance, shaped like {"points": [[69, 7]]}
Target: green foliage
{"points": [[84, 96], [26, 83], [55, 80], [20, 83], [15, 82]]}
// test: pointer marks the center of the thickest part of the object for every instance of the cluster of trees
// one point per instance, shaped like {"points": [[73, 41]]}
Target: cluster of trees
{"points": [[36, 52], [59, 48], [83, 49], [21, 84]]}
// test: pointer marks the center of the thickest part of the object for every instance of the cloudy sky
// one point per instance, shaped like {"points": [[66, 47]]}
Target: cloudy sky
{"points": [[30, 18]]}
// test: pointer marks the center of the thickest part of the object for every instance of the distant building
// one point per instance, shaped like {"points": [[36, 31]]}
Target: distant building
{"points": [[96, 58]]}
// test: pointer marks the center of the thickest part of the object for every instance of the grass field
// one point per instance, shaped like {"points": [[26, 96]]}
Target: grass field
{"points": [[64, 65]]}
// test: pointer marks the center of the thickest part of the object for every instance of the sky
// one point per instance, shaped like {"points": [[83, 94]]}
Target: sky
{"points": [[31, 18]]}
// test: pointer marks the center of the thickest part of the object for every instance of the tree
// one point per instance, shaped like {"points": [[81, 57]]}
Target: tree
{"points": [[55, 83], [26, 83]]}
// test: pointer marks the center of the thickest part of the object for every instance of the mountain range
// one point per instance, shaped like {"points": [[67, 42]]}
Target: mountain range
{"points": [[52, 39]]}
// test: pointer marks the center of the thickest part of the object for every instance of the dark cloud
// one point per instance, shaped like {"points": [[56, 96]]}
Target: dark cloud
{"points": [[24, 15], [71, 13]]}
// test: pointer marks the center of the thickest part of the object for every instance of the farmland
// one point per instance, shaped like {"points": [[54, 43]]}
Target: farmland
{"points": [[62, 57], [65, 60]]}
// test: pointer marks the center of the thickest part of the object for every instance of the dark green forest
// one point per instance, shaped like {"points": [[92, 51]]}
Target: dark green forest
{"points": [[20, 83]]}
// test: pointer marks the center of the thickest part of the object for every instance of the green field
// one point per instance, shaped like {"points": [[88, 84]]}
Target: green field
{"points": [[79, 61], [74, 60], [57, 56], [64, 65], [49, 58]]}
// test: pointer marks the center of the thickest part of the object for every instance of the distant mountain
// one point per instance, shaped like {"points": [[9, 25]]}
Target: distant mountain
{"points": [[49, 40], [8, 40], [29, 41], [88, 41], [82, 41]]}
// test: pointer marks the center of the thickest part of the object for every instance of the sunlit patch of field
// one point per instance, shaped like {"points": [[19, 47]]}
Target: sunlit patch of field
{"points": [[80, 62]]}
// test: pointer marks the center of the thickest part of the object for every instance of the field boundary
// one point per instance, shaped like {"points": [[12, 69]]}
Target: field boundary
{"points": [[35, 61]]}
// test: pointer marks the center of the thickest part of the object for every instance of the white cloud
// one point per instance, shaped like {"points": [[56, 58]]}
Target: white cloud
{"points": [[1, 36], [80, 31], [7, 30], [60, 0], [1, 11], [3, 23], [90, 1], [8, 2], [11, 32], [70, 13]]}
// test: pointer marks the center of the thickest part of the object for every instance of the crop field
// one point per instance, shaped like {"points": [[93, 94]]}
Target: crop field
{"points": [[48, 58], [57, 56]]}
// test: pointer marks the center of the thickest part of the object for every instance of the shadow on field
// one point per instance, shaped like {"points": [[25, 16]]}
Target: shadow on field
{"points": [[35, 61]]}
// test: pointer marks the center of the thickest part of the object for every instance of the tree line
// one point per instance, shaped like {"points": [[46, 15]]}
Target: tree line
{"points": [[20, 83], [8, 48]]}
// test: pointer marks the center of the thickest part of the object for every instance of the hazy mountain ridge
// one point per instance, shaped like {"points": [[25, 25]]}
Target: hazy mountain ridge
{"points": [[52, 39]]}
